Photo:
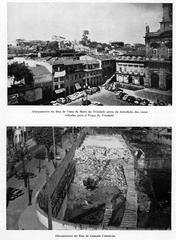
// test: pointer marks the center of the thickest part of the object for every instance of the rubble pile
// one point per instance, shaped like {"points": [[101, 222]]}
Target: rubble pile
{"points": [[104, 165]]}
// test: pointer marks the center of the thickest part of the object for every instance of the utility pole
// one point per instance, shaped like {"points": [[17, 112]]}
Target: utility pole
{"points": [[29, 190], [48, 194], [54, 144], [23, 162], [25, 173], [54, 148]]}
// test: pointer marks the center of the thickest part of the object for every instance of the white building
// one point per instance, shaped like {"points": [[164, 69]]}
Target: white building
{"points": [[130, 69]]}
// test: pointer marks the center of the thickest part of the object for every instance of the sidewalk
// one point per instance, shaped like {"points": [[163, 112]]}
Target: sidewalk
{"points": [[17, 206], [28, 219]]}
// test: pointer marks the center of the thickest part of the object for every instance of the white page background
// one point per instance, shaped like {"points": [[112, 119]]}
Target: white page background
{"points": [[23, 116]]}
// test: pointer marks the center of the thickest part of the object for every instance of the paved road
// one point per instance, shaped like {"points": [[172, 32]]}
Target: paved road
{"points": [[104, 96]]}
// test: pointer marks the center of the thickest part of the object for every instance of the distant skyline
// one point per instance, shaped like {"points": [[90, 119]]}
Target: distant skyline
{"points": [[105, 21]]}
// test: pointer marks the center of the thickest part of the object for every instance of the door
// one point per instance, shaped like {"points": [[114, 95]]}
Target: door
{"points": [[154, 80]]}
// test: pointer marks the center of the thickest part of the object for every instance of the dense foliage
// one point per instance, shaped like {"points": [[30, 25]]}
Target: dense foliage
{"points": [[20, 71]]}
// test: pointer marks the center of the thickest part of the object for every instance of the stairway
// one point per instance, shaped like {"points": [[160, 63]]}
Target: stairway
{"points": [[129, 220], [107, 215]]}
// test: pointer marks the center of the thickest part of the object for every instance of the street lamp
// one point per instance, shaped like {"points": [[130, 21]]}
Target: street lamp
{"points": [[26, 174], [48, 193]]}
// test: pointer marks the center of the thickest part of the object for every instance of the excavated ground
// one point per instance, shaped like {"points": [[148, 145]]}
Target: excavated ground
{"points": [[99, 180]]}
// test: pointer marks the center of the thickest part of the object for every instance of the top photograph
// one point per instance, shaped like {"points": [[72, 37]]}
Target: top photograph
{"points": [[95, 54]]}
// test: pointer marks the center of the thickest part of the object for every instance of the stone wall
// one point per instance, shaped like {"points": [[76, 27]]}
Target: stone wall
{"points": [[60, 180]]}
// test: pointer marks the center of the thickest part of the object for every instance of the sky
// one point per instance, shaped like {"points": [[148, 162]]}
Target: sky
{"points": [[105, 21]]}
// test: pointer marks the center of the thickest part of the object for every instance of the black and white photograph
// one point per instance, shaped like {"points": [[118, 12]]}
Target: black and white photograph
{"points": [[89, 53], [88, 178]]}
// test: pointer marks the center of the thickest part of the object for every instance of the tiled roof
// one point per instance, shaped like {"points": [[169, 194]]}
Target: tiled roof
{"points": [[65, 61]]}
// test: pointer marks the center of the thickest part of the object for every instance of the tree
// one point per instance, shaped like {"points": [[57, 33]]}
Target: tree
{"points": [[53, 46], [85, 38], [10, 134], [20, 71], [44, 136]]}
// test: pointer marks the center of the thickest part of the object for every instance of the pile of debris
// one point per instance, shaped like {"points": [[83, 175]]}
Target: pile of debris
{"points": [[100, 165]]}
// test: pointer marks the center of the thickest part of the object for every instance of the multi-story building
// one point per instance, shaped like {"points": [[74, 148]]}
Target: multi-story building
{"points": [[71, 75], [108, 66], [92, 73], [130, 68], [67, 76], [160, 135], [159, 52], [106, 63]]}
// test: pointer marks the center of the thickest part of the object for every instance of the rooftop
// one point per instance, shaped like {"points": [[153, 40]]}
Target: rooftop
{"points": [[40, 74], [64, 61]]}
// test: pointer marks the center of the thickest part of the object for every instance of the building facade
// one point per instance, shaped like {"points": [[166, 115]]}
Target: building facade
{"points": [[107, 65], [92, 73], [158, 68], [71, 75], [130, 69], [160, 135], [67, 76]]}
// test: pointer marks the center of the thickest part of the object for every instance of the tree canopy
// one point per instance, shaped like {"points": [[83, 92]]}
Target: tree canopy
{"points": [[85, 38], [44, 135], [20, 71]]}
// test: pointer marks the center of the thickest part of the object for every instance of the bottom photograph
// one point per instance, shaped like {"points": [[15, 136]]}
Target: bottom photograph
{"points": [[90, 178]]}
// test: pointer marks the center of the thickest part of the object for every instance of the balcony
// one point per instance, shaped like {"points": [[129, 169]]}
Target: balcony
{"points": [[59, 74]]}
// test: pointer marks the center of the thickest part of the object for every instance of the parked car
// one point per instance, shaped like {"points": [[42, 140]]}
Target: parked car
{"points": [[94, 89], [67, 99], [61, 100], [120, 95], [130, 99], [114, 87], [53, 102], [96, 103], [124, 97], [89, 91], [98, 89], [151, 103], [118, 91], [162, 103], [57, 104], [86, 102], [144, 102], [110, 88], [137, 101], [105, 86]]}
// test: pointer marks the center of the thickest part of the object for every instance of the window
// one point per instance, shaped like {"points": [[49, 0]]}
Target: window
{"points": [[170, 53]]}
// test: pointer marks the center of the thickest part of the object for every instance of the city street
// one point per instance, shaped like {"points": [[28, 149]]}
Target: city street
{"points": [[105, 97], [17, 206]]}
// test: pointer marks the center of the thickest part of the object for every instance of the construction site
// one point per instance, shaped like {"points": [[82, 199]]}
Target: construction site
{"points": [[107, 178], [105, 186]]}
